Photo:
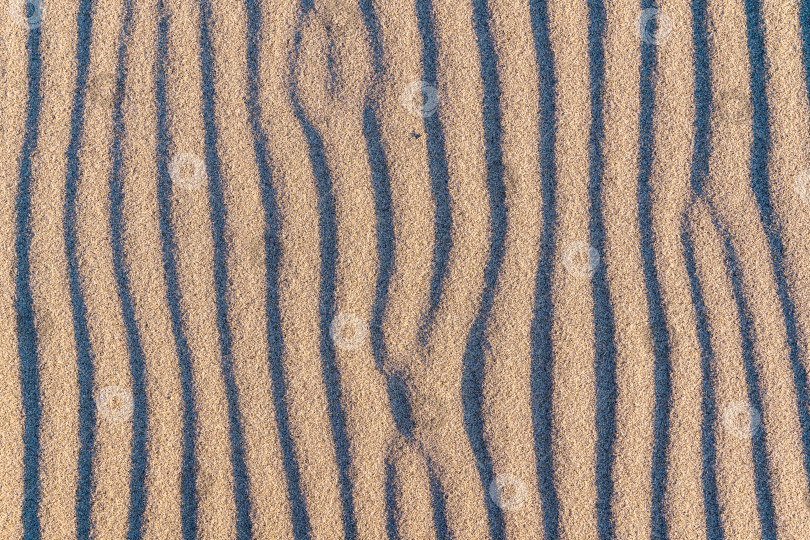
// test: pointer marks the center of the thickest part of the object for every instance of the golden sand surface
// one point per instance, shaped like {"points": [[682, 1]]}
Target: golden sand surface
{"points": [[426, 269]]}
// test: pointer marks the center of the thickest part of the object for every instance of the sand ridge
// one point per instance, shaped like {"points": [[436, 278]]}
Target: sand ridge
{"points": [[389, 269]]}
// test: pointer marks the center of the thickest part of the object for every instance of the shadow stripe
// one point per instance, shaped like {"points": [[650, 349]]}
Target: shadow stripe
{"points": [[760, 183], [698, 174], [544, 305], [27, 337], [759, 447], [137, 487], [703, 97], [327, 229], [275, 341], [604, 330], [218, 219], [655, 309], [473, 359], [437, 164], [85, 356], [714, 526], [189, 504]]}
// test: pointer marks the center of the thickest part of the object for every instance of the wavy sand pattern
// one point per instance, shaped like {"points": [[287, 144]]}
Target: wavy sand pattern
{"points": [[405, 269]]}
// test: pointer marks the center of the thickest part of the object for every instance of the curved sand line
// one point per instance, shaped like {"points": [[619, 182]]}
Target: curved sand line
{"points": [[147, 279], [735, 471], [508, 363], [56, 341], [191, 218], [731, 194], [404, 143], [635, 361], [435, 380], [674, 140], [336, 113], [789, 183], [573, 393], [247, 280], [299, 287], [14, 66], [402, 134], [107, 335]]}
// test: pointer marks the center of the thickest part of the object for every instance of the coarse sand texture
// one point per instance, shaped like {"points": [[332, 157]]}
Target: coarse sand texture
{"points": [[405, 269]]}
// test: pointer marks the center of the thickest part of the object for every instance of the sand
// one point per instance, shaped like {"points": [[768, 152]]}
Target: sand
{"points": [[390, 269]]}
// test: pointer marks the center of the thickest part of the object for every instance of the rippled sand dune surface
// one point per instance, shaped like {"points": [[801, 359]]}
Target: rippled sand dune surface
{"points": [[405, 269]]}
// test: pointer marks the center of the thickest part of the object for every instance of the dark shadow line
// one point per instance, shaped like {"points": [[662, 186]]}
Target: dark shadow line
{"points": [[604, 328], [437, 165], [137, 482], [397, 390], [392, 530], [804, 22], [698, 173], [655, 310], [699, 170], [760, 180], [219, 212], [188, 473], [714, 526], [541, 349], [381, 185], [327, 226], [439, 507], [762, 475], [85, 355], [23, 304], [473, 359], [272, 261]]}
